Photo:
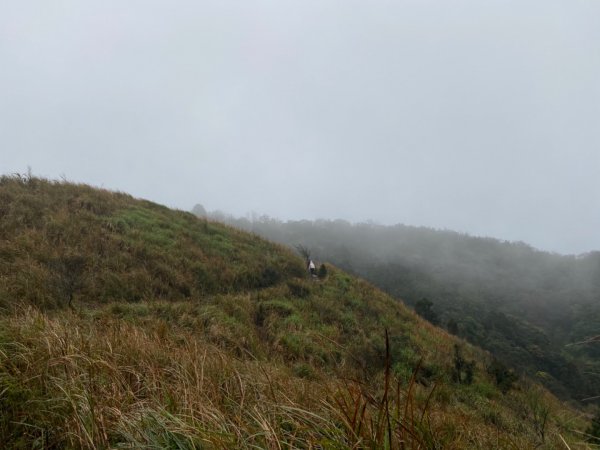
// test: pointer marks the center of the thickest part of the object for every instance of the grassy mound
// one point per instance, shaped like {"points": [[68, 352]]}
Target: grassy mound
{"points": [[61, 241], [183, 333]]}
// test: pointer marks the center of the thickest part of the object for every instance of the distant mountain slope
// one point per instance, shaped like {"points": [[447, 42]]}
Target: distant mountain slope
{"points": [[526, 306], [124, 324]]}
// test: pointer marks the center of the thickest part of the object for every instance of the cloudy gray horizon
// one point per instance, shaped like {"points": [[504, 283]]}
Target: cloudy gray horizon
{"points": [[475, 116]]}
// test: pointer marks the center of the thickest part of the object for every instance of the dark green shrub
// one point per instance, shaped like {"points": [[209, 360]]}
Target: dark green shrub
{"points": [[68, 271], [503, 376], [269, 277], [424, 308], [322, 273], [463, 370], [593, 430], [298, 289], [452, 327], [303, 370]]}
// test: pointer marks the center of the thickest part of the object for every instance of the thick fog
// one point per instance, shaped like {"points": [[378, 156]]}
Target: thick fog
{"points": [[477, 116]]}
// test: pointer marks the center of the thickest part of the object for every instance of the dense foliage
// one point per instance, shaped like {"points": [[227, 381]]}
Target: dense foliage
{"points": [[539, 312]]}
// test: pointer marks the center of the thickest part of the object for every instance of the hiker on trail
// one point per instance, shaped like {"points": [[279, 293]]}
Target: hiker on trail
{"points": [[311, 267]]}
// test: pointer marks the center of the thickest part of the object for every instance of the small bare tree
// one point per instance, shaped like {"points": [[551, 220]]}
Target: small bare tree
{"points": [[539, 410], [68, 271], [304, 252]]}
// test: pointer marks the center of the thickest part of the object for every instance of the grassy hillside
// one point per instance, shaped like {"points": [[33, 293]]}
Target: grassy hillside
{"points": [[534, 310], [124, 324]]}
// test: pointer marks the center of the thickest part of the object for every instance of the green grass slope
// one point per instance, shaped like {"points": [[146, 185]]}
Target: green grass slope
{"points": [[536, 311], [124, 324]]}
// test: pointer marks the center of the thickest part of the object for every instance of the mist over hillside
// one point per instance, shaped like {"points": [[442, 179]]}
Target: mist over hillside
{"points": [[535, 310], [124, 324], [127, 321], [477, 116]]}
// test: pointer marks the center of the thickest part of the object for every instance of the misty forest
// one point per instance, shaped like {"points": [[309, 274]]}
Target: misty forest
{"points": [[537, 311]]}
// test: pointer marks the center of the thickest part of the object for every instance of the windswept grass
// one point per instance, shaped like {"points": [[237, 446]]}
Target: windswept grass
{"points": [[61, 242], [187, 334], [81, 380]]}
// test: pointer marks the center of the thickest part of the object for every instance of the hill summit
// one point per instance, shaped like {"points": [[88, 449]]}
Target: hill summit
{"points": [[124, 324]]}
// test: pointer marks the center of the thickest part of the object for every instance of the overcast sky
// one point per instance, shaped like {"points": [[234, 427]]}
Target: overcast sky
{"points": [[480, 116]]}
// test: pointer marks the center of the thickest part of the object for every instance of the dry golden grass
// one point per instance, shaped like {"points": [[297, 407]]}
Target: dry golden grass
{"points": [[95, 381], [188, 334]]}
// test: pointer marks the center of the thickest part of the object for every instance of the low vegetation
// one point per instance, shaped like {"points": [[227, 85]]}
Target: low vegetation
{"points": [[536, 311], [127, 325]]}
